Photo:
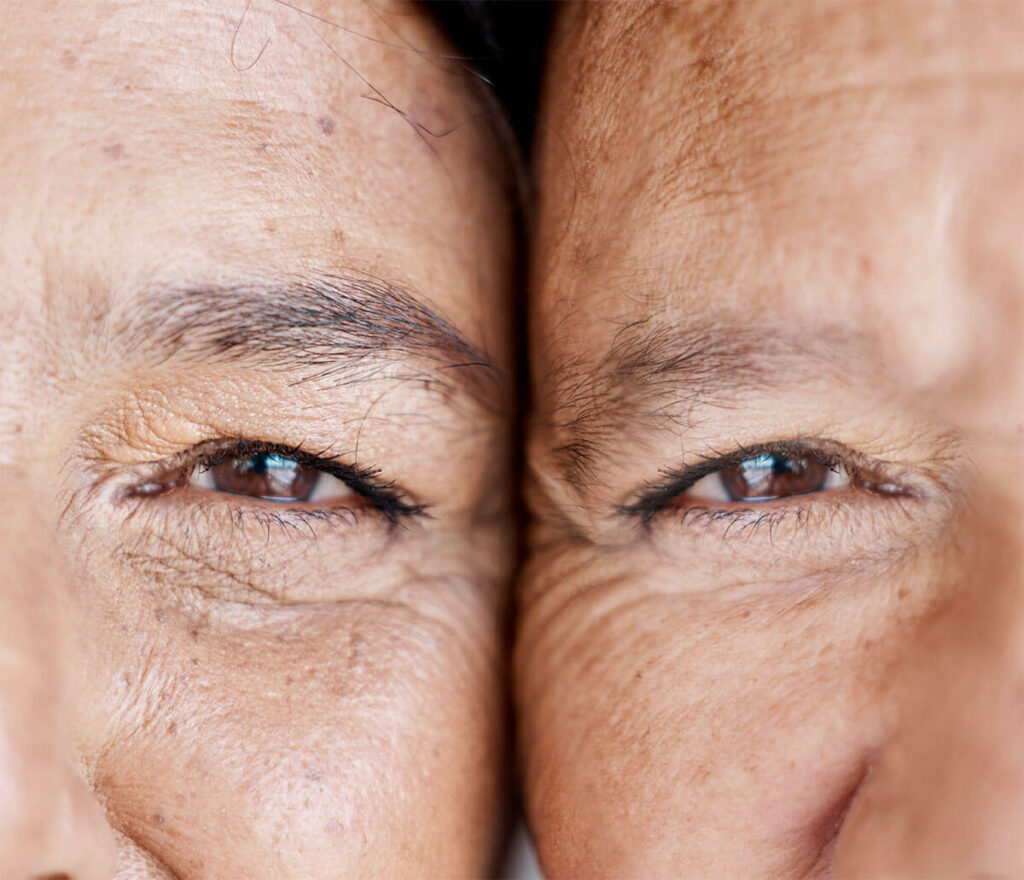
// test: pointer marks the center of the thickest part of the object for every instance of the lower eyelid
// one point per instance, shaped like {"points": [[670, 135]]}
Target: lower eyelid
{"points": [[221, 516], [826, 535]]}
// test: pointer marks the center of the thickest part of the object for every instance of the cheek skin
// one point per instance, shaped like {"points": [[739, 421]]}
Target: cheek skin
{"points": [[663, 733], [294, 734], [946, 794]]}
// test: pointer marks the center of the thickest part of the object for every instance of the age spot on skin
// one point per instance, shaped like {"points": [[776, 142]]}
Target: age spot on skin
{"points": [[68, 60], [326, 125], [114, 151]]}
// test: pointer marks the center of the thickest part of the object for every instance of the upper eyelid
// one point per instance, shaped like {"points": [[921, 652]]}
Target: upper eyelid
{"points": [[792, 448]]}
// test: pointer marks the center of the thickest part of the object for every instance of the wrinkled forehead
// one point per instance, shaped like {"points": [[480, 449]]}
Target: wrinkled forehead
{"points": [[698, 152], [275, 60], [336, 135]]}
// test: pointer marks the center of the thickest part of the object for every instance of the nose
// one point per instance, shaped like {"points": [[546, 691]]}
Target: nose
{"points": [[51, 826], [944, 796]]}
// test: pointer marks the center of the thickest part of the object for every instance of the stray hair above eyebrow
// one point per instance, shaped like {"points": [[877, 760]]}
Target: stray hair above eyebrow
{"points": [[329, 326]]}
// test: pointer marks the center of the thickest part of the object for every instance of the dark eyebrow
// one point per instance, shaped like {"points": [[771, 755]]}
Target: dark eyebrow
{"points": [[656, 374], [342, 328]]}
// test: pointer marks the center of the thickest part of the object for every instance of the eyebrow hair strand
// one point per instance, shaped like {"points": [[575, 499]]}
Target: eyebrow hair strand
{"points": [[654, 370], [328, 325]]}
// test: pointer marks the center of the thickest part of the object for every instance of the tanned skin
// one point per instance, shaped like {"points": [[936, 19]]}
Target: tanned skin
{"points": [[784, 233]]}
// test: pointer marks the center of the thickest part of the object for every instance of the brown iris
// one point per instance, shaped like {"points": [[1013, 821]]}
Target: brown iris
{"points": [[265, 475], [773, 476]]}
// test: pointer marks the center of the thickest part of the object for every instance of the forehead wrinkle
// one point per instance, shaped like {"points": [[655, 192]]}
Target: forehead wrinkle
{"points": [[724, 100], [265, 62]]}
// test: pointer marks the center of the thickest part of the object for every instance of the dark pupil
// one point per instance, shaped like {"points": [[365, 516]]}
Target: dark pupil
{"points": [[773, 476], [265, 475]]}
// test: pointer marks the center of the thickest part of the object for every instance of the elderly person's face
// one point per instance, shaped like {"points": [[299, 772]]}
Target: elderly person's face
{"points": [[772, 625], [254, 266]]}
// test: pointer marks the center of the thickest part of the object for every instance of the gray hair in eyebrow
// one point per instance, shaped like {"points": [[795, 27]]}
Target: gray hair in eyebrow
{"points": [[339, 328], [657, 373]]}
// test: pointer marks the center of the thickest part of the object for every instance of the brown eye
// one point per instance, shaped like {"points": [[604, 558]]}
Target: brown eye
{"points": [[261, 475], [773, 476]]}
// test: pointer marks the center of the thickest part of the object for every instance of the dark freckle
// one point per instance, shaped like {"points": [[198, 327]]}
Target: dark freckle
{"points": [[114, 151], [262, 148], [195, 634], [288, 679], [68, 60], [124, 630], [158, 613], [339, 236], [195, 661], [172, 727], [326, 125], [158, 819]]}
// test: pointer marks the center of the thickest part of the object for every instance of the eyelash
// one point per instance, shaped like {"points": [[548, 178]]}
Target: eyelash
{"points": [[383, 498], [658, 499]]}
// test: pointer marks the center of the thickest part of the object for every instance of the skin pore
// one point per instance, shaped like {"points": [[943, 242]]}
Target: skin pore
{"points": [[254, 443], [772, 622]]}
